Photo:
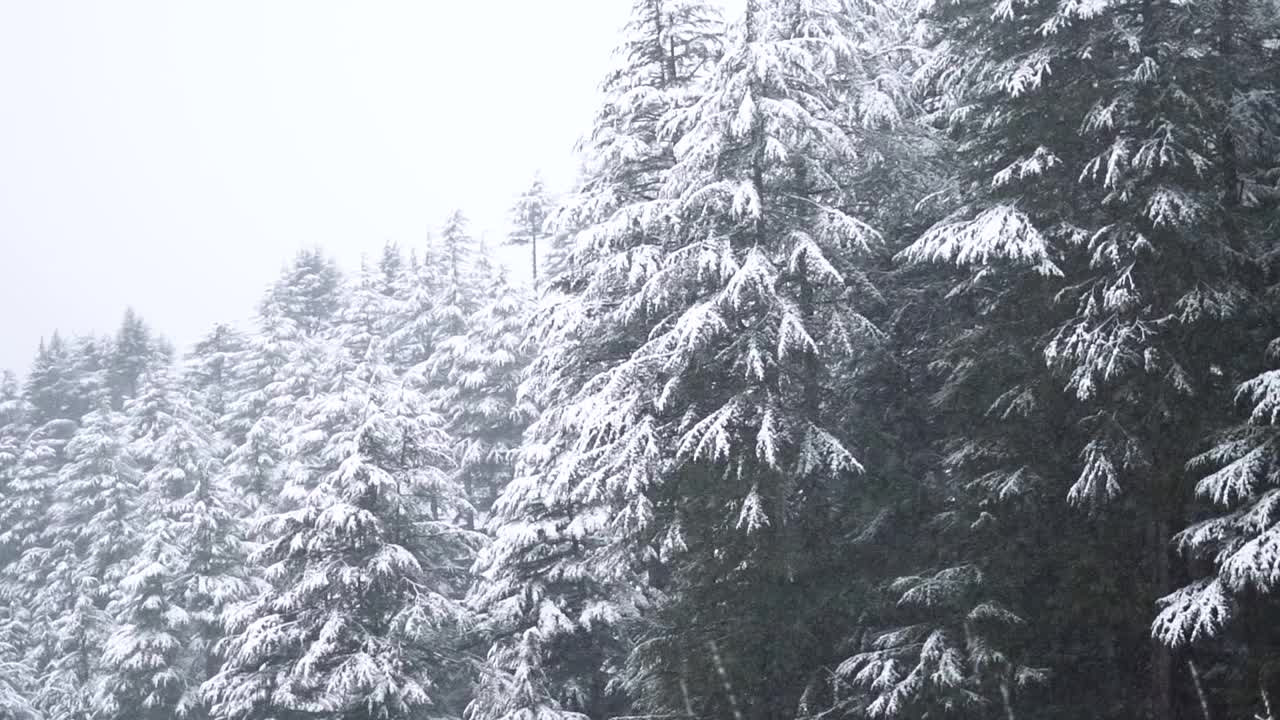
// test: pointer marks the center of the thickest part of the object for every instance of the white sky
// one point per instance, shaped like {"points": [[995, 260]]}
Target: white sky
{"points": [[171, 155]]}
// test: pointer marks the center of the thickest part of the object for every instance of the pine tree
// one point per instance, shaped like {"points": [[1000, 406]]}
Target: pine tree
{"points": [[65, 380], [133, 352], [528, 219], [1221, 613], [71, 568], [412, 331], [190, 568], [14, 430], [373, 299], [93, 361], [363, 571], [554, 591], [26, 503], [276, 372], [17, 679], [457, 251], [393, 270], [558, 269], [1096, 226], [210, 367], [757, 313], [476, 375], [307, 294], [45, 387], [258, 412]]}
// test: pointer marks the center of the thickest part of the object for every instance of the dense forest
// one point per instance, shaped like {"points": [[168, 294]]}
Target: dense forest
{"points": [[887, 360]]}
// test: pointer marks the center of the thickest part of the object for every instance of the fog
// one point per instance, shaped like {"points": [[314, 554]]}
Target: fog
{"points": [[171, 156]]}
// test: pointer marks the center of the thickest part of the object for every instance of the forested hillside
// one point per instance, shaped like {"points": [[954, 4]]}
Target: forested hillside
{"points": [[888, 360]]}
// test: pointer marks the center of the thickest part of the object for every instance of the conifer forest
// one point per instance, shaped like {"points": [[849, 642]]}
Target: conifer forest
{"points": [[888, 360]]}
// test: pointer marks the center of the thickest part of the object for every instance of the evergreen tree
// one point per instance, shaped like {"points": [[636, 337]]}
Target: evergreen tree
{"points": [[528, 220], [1096, 226], [372, 301], [476, 375], [189, 570], [50, 386], [71, 569], [363, 571], [393, 270], [1219, 618], [558, 268], [755, 307], [259, 410], [457, 252], [14, 430], [555, 592], [412, 331], [17, 679], [92, 369], [307, 294], [210, 368], [277, 372], [25, 505], [133, 352]]}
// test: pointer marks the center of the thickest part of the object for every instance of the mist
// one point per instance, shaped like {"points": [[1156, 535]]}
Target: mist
{"points": [[173, 156]]}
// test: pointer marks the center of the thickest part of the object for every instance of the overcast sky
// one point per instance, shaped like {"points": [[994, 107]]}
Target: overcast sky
{"points": [[172, 155]]}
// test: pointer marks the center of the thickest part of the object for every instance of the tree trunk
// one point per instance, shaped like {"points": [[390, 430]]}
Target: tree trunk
{"points": [[1226, 138], [1200, 693], [1161, 655], [533, 244], [1006, 695], [1264, 678], [730, 695]]}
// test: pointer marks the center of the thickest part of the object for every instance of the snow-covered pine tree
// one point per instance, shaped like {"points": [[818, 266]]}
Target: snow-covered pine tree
{"points": [[393, 270], [50, 394], [554, 591], [475, 376], [252, 423], [308, 292], [70, 570], [1097, 223], [464, 264], [276, 372], [528, 218], [133, 351], [1233, 549], [439, 298], [14, 429], [299, 317], [17, 678], [753, 307], [373, 298], [189, 569], [364, 571], [558, 267], [457, 250], [30, 475], [26, 503], [91, 360], [412, 333], [210, 368], [48, 385]]}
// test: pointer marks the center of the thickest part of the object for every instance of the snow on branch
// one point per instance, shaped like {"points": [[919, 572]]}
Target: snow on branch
{"points": [[999, 233]]}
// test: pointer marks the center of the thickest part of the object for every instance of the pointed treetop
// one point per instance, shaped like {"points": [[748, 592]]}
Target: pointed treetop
{"points": [[308, 292], [529, 213]]}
